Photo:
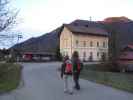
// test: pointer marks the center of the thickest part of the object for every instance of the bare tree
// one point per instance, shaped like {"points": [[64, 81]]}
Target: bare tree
{"points": [[7, 15], [7, 20]]}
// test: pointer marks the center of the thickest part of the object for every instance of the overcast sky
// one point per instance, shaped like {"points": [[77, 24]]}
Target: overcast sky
{"points": [[42, 16]]}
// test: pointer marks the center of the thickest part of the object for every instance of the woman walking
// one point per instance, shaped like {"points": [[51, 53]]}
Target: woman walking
{"points": [[66, 75]]}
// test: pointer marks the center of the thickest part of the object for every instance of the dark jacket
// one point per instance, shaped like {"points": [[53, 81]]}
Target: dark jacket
{"points": [[75, 63]]}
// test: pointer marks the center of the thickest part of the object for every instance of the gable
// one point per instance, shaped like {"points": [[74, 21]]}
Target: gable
{"points": [[66, 33]]}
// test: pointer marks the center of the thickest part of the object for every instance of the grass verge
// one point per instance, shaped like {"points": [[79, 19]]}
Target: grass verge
{"points": [[10, 75], [123, 81]]}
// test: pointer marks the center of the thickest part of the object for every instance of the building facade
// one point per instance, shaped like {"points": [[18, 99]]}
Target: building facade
{"points": [[90, 42]]}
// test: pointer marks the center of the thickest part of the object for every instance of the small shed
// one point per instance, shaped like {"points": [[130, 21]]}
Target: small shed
{"points": [[37, 56]]}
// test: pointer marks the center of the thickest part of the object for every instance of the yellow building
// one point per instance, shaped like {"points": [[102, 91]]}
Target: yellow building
{"points": [[88, 38]]}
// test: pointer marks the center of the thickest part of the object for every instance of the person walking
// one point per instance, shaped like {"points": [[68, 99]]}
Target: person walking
{"points": [[66, 75], [77, 67]]}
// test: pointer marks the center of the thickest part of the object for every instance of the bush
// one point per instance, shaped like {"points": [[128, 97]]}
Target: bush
{"points": [[11, 60], [109, 67], [10, 75]]}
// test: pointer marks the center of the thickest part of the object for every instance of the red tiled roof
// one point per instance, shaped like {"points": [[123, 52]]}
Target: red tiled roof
{"points": [[130, 46], [116, 19]]}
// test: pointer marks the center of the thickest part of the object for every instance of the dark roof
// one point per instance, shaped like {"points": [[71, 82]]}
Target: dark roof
{"points": [[87, 27], [39, 53], [126, 56], [128, 47]]}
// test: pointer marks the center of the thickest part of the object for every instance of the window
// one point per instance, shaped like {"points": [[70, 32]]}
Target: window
{"points": [[86, 25], [76, 24], [84, 43], [91, 44], [91, 53], [77, 42], [84, 54], [66, 43], [97, 44], [97, 54], [91, 56], [103, 44], [103, 56]]}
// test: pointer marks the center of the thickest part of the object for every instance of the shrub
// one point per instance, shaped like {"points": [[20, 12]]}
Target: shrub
{"points": [[118, 80], [10, 75], [11, 60], [110, 67]]}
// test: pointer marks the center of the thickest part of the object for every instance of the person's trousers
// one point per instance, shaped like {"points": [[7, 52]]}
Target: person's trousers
{"points": [[68, 83], [76, 80]]}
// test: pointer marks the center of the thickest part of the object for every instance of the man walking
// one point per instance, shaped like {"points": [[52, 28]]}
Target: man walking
{"points": [[77, 67]]}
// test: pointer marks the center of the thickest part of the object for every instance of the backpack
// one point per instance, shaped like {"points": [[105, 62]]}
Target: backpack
{"points": [[68, 68], [78, 66]]}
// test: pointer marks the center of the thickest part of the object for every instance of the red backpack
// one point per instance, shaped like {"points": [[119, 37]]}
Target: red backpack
{"points": [[78, 66], [68, 68]]}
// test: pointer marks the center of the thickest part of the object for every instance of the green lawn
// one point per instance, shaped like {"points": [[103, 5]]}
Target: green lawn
{"points": [[118, 80], [10, 75]]}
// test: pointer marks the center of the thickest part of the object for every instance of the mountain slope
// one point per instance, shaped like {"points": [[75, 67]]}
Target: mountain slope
{"points": [[45, 43]]}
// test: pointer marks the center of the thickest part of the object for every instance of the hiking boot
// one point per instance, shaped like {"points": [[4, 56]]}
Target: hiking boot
{"points": [[77, 88], [65, 91], [71, 93]]}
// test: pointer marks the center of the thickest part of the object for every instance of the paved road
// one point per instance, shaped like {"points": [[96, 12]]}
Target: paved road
{"points": [[42, 82]]}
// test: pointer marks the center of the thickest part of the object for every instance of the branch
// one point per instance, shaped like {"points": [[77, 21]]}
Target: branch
{"points": [[8, 22], [4, 2]]}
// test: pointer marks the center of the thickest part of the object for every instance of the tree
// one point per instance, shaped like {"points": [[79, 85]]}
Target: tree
{"points": [[7, 16], [58, 54], [7, 20], [112, 41], [114, 26]]}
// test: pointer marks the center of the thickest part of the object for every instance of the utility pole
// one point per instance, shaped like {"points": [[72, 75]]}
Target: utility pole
{"points": [[90, 18], [19, 50], [19, 37]]}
